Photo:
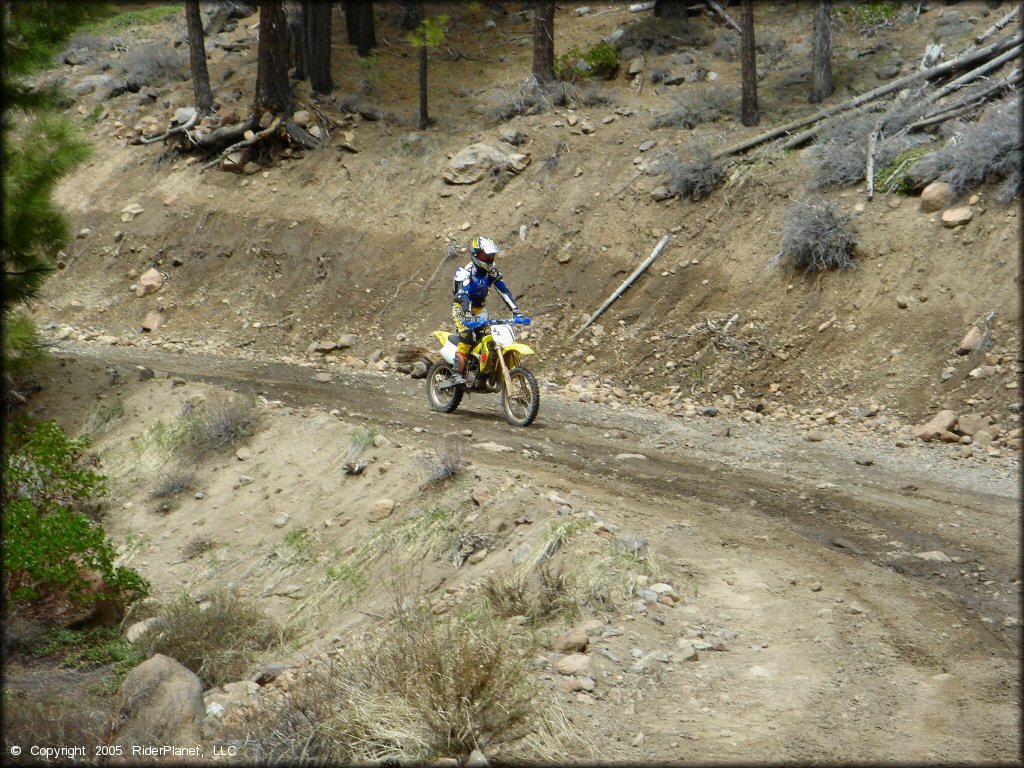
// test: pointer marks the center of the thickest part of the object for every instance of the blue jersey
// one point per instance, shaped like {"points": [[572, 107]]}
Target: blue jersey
{"points": [[471, 286]]}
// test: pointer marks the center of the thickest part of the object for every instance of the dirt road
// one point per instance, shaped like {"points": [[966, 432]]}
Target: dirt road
{"points": [[874, 589]]}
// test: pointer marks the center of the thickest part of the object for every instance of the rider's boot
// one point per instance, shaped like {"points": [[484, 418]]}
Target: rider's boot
{"points": [[459, 374]]}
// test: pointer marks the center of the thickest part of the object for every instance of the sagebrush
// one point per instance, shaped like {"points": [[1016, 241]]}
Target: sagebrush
{"points": [[155, 64], [446, 462], [816, 236]]}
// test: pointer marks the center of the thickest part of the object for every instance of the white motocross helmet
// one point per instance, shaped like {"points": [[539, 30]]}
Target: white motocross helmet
{"points": [[482, 251]]}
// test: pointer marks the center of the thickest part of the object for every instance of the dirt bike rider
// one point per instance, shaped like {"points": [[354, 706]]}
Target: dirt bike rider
{"points": [[470, 288]]}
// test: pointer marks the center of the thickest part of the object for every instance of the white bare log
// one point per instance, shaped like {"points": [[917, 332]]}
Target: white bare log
{"points": [[967, 103], [997, 26], [176, 129], [973, 75], [717, 8], [869, 171], [982, 54], [638, 7], [626, 283]]}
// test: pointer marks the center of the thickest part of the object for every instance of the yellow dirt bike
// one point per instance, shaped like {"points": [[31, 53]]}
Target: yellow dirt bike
{"points": [[493, 366]]}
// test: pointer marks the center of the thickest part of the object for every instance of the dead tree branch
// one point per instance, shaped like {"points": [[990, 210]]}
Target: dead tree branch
{"points": [[256, 139], [721, 12]]}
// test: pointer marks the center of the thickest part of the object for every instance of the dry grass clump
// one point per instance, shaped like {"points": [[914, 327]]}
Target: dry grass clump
{"points": [[53, 720], [692, 173], [447, 462], [177, 480], [197, 545], [155, 64], [977, 151], [694, 107], [816, 236], [540, 596], [217, 639], [422, 687], [219, 423]]}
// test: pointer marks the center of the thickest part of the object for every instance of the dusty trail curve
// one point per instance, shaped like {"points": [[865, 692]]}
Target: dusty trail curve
{"points": [[915, 497]]}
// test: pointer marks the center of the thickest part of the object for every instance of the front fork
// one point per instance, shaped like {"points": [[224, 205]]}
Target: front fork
{"points": [[504, 369]]}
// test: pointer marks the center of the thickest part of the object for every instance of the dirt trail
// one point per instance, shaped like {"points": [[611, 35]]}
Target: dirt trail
{"points": [[851, 644]]}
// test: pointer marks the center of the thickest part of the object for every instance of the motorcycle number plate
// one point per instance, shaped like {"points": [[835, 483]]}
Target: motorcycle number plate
{"points": [[502, 334]]}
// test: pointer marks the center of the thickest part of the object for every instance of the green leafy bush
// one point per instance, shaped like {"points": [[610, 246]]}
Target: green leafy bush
{"points": [[601, 62], [50, 545]]}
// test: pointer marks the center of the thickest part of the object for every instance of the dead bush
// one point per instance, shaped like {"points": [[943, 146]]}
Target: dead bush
{"points": [[977, 152], [447, 461], [692, 108], [816, 236], [533, 98], [839, 156], [219, 423], [461, 674], [422, 687], [692, 173], [154, 64], [217, 638]]}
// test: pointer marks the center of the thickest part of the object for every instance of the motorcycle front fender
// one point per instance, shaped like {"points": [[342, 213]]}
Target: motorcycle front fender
{"points": [[517, 346]]}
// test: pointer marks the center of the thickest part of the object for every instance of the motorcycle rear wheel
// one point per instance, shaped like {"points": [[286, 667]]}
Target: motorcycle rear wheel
{"points": [[523, 401], [444, 399]]}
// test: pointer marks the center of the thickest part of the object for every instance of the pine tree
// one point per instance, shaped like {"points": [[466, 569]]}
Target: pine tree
{"points": [[39, 148]]}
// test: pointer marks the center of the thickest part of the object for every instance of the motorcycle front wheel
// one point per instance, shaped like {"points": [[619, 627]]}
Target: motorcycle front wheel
{"points": [[441, 395], [522, 401]]}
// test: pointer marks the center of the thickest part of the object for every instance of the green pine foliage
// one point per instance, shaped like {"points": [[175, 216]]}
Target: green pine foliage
{"points": [[35, 228], [51, 547]]}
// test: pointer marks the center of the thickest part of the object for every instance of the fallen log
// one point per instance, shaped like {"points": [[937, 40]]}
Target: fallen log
{"points": [[997, 26], [256, 139], [626, 283], [226, 134], [170, 132], [721, 12], [967, 103], [981, 54]]}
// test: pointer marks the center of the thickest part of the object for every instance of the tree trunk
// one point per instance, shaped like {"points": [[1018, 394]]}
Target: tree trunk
{"points": [[272, 92], [821, 63], [362, 12], [316, 27], [424, 119], [748, 61], [544, 40], [298, 54], [670, 9], [351, 20], [410, 14], [197, 58]]}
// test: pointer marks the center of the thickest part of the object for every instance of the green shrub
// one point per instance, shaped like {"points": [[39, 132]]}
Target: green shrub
{"points": [[893, 178], [600, 61], [90, 648], [50, 545]]}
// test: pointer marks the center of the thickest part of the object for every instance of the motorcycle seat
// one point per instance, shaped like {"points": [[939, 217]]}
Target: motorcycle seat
{"points": [[453, 338]]}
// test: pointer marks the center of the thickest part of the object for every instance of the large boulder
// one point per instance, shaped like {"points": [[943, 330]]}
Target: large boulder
{"points": [[478, 160], [150, 281], [161, 703], [937, 427]]}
